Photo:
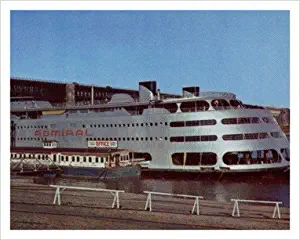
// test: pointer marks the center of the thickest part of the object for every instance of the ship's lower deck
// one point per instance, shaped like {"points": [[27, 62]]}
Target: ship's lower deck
{"points": [[94, 161]]}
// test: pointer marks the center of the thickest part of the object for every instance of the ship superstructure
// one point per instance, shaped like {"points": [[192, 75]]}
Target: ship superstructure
{"points": [[198, 131]]}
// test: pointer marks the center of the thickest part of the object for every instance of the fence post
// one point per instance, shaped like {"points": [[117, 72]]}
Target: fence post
{"points": [[236, 207], [197, 199], [115, 199], [57, 196], [118, 201], [148, 203], [195, 204], [276, 209]]}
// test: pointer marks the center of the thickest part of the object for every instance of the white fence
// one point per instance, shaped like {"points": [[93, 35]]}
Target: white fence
{"points": [[60, 188], [149, 200], [148, 205], [237, 210]]}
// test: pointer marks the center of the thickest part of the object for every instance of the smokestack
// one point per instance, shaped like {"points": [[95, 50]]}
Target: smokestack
{"points": [[190, 91]]}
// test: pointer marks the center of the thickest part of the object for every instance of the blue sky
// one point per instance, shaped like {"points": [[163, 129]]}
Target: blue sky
{"points": [[244, 52]]}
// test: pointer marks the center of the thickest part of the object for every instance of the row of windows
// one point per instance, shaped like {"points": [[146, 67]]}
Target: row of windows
{"points": [[96, 94], [267, 156], [251, 136], [221, 104], [31, 127], [244, 120], [82, 159], [252, 157], [31, 139], [193, 123], [29, 156], [247, 120], [22, 88], [128, 139], [98, 125], [204, 138], [127, 125], [194, 158], [63, 158], [99, 139]]}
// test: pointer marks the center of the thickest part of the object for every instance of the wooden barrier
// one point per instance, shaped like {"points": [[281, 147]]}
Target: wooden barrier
{"points": [[149, 200], [237, 210], [60, 188]]}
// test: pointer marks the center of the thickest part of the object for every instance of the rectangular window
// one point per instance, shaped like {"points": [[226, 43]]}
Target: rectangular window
{"points": [[251, 136], [208, 138], [177, 124], [176, 139], [233, 137], [192, 139], [192, 123]]}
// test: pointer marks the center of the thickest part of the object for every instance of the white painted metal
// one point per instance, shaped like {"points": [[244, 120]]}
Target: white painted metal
{"points": [[237, 210], [149, 200], [114, 192]]}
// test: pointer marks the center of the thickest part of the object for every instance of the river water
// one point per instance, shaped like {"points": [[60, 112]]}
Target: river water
{"points": [[257, 189]]}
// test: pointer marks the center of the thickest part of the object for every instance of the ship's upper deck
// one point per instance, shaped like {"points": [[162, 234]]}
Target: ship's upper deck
{"points": [[191, 100]]}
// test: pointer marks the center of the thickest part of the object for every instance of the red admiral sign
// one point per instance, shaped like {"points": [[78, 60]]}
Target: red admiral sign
{"points": [[67, 132]]}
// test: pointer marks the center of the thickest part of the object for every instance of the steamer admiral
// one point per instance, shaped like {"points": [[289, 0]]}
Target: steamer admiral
{"points": [[197, 132]]}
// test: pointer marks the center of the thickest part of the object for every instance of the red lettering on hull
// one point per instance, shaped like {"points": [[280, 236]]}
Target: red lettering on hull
{"points": [[67, 132], [55, 133], [37, 133]]}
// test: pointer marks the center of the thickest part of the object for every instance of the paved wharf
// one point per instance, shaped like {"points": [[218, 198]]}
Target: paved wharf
{"points": [[32, 208]]}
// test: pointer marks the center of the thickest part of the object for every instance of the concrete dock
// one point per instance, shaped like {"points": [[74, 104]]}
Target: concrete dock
{"points": [[32, 208]]}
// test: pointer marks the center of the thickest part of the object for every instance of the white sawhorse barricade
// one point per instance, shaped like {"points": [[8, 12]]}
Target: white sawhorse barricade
{"points": [[149, 200], [60, 188], [237, 210]]}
